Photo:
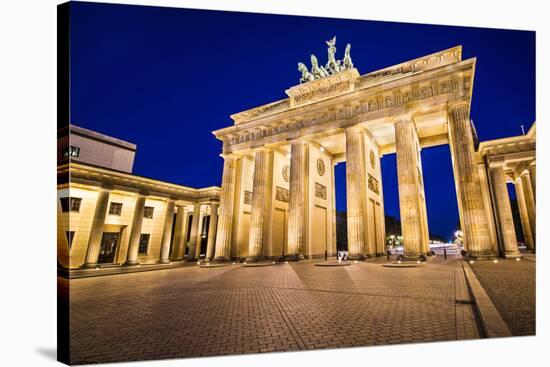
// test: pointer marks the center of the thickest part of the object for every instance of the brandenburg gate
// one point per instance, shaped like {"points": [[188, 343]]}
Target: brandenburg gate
{"points": [[278, 190]]}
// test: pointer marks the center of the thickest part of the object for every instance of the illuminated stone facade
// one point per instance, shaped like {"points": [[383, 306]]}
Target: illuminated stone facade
{"points": [[277, 196], [512, 160], [358, 119], [109, 217]]}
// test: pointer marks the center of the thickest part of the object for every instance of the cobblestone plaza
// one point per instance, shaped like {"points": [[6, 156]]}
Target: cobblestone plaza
{"points": [[192, 311]]}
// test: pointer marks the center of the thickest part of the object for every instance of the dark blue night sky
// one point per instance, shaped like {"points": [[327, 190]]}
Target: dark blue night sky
{"points": [[164, 78]]}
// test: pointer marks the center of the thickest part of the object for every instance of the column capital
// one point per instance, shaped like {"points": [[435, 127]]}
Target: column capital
{"points": [[143, 193], [454, 105], [107, 186], [229, 156], [496, 164], [262, 149], [355, 128], [403, 118], [300, 141]]}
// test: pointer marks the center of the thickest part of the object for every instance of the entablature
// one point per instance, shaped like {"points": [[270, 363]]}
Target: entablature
{"points": [[419, 93]]}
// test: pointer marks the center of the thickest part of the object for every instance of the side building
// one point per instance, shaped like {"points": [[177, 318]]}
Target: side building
{"points": [[108, 216]]}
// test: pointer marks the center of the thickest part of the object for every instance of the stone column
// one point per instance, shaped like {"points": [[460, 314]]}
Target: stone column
{"points": [[530, 203], [212, 231], [474, 224], [532, 169], [167, 233], [410, 205], [355, 190], [524, 216], [297, 201], [63, 250], [135, 231], [96, 232], [259, 200], [179, 234], [224, 236], [504, 211], [194, 239]]}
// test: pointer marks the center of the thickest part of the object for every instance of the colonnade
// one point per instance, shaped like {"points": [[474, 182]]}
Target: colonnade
{"points": [[172, 246], [471, 194]]}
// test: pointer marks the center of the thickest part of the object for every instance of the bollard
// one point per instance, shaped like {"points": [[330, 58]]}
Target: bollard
{"points": [[445, 252], [326, 255]]}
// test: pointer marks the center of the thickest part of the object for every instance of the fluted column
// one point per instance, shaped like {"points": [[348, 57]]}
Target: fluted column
{"points": [[297, 202], [259, 200], [194, 239], [135, 231], [474, 226], [504, 211], [167, 233], [96, 232], [179, 234], [410, 205], [224, 234], [532, 169], [355, 191], [530, 203], [524, 216], [212, 231]]}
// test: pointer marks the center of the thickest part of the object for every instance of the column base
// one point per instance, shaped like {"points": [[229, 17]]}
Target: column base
{"points": [[512, 255], [412, 257], [254, 259], [359, 257], [163, 261], [294, 257], [89, 266], [222, 259], [481, 256], [130, 263], [191, 260]]}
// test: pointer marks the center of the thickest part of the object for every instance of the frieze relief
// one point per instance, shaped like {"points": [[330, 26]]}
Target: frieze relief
{"points": [[248, 197], [282, 194], [258, 111], [373, 104], [320, 191], [373, 185]]}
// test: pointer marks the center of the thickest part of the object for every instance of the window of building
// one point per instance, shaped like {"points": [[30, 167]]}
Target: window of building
{"points": [[143, 243], [70, 204], [148, 212], [115, 209], [70, 236], [71, 151]]}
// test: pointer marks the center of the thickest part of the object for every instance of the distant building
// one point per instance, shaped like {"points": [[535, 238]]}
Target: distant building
{"points": [[108, 216], [87, 146]]}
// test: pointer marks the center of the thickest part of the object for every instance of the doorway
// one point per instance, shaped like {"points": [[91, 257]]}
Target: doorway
{"points": [[109, 244]]}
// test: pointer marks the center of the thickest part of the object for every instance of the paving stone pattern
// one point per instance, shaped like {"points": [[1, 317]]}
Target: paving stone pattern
{"points": [[189, 312], [511, 285]]}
